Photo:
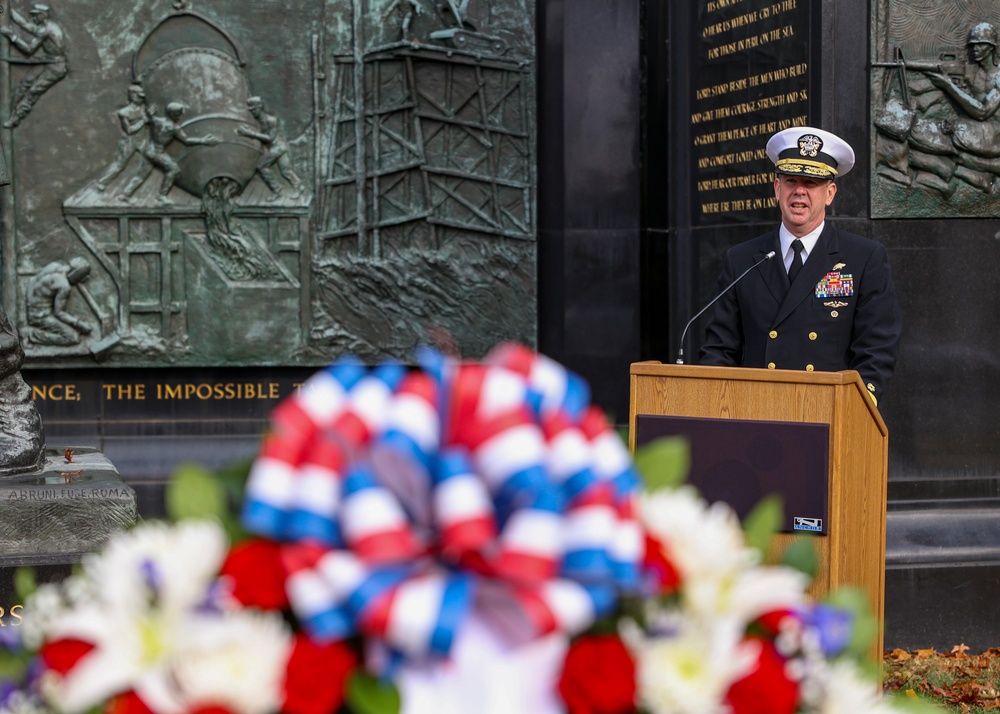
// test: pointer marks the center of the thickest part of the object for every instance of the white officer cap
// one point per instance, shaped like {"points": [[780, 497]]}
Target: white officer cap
{"points": [[805, 151]]}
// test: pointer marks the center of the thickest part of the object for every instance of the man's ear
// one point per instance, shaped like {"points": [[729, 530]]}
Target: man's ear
{"points": [[831, 191]]}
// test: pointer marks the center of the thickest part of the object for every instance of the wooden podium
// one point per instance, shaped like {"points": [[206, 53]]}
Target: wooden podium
{"points": [[852, 551]]}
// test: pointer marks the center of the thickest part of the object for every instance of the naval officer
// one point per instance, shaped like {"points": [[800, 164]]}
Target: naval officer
{"points": [[826, 301]]}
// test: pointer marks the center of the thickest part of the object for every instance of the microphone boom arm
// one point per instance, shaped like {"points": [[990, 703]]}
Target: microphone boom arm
{"points": [[680, 352]]}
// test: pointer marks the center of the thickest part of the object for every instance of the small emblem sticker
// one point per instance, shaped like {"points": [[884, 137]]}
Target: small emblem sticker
{"points": [[807, 524]]}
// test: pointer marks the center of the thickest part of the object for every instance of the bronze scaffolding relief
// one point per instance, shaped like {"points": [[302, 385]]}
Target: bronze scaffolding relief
{"points": [[233, 190]]}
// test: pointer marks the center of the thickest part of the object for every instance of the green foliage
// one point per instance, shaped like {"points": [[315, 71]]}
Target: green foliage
{"points": [[664, 463], [196, 492], [801, 555], [763, 522], [234, 479], [13, 665], [913, 704], [866, 625], [368, 695], [25, 583]]}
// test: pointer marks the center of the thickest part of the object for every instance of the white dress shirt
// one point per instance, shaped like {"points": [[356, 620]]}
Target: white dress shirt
{"points": [[808, 243]]}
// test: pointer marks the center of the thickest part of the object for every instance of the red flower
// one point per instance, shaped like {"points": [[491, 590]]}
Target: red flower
{"points": [[131, 703], [657, 562], [62, 655], [766, 689], [257, 576], [770, 622], [316, 676], [127, 703], [598, 676], [210, 709]]}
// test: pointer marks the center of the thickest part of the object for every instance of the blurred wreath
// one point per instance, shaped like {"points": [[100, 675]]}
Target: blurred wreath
{"points": [[445, 538]]}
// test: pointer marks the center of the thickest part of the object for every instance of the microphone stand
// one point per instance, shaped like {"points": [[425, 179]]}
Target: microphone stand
{"points": [[680, 352]]}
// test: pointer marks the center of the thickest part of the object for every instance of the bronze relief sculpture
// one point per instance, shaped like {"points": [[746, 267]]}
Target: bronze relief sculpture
{"points": [[936, 146], [282, 184]]}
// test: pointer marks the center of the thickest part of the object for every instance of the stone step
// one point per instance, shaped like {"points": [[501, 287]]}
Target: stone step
{"points": [[942, 492], [942, 576]]}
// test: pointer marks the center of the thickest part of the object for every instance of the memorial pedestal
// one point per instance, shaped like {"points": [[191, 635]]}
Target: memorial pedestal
{"points": [[51, 518], [64, 510]]}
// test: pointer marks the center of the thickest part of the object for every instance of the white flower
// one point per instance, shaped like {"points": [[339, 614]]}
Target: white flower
{"points": [[717, 569], [19, 702], [761, 590], [699, 537], [691, 670], [148, 621], [484, 674], [175, 563], [236, 660], [838, 688]]}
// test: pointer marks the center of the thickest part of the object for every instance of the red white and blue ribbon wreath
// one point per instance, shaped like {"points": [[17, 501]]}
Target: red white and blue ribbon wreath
{"points": [[404, 498]]}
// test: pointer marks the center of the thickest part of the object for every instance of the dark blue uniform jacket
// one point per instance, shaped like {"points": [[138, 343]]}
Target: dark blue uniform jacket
{"points": [[841, 312]]}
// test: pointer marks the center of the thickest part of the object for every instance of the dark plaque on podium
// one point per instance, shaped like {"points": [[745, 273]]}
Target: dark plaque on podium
{"points": [[741, 462]]}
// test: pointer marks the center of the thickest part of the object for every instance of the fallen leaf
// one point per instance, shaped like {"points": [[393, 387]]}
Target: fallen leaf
{"points": [[959, 649]]}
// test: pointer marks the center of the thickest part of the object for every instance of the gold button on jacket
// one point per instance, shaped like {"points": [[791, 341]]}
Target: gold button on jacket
{"points": [[765, 322]]}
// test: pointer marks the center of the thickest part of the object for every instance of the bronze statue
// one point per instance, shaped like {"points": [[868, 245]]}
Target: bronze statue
{"points": [[22, 439], [164, 130], [275, 148], [406, 11], [48, 36], [133, 118], [48, 291]]}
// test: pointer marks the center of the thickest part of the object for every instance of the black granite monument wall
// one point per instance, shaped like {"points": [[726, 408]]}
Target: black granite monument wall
{"points": [[589, 191], [705, 62]]}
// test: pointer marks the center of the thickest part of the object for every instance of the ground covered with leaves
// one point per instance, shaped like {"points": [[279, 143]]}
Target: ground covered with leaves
{"points": [[958, 680]]}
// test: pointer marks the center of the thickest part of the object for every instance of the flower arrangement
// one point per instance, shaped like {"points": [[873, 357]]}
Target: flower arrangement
{"points": [[455, 537]]}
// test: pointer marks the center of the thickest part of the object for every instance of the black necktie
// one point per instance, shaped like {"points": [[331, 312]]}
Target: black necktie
{"points": [[796, 265]]}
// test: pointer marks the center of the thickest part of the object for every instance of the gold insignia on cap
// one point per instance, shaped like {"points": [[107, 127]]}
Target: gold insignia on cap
{"points": [[838, 266], [835, 303], [810, 145]]}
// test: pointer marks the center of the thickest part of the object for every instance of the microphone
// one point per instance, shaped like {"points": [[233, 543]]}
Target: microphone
{"points": [[680, 352]]}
